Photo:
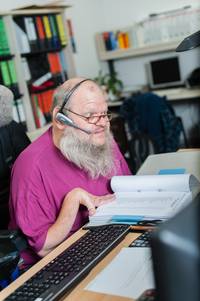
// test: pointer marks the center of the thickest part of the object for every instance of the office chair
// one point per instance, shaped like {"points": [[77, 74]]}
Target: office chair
{"points": [[12, 141], [117, 126], [141, 146], [12, 242], [150, 114]]}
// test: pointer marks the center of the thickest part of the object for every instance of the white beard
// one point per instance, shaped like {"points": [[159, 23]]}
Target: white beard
{"points": [[95, 160]]}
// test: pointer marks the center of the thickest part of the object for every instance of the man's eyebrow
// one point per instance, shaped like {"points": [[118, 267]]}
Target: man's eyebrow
{"points": [[96, 113]]}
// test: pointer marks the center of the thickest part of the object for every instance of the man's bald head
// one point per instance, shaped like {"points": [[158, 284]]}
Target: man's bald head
{"points": [[63, 90]]}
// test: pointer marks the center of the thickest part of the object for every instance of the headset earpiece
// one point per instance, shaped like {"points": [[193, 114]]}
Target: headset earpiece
{"points": [[64, 119]]}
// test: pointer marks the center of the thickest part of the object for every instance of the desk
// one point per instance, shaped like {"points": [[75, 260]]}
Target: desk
{"points": [[78, 293], [179, 94], [186, 104], [174, 94]]}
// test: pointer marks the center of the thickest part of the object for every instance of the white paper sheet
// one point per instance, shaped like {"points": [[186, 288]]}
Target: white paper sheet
{"points": [[146, 204], [147, 197], [128, 275], [143, 183]]}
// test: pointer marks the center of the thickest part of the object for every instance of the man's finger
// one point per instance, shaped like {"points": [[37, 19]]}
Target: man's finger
{"points": [[104, 200]]}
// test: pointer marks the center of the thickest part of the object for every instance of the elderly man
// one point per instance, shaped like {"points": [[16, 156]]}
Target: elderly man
{"points": [[63, 175]]}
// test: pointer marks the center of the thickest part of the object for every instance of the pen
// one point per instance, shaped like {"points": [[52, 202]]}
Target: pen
{"points": [[152, 223], [141, 228]]}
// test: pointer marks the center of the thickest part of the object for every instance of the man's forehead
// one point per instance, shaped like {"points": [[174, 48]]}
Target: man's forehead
{"points": [[89, 98]]}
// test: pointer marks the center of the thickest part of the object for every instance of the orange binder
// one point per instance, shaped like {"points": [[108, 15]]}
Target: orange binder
{"points": [[41, 32]]}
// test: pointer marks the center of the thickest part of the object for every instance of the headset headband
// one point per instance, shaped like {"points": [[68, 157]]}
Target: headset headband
{"points": [[69, 94]]}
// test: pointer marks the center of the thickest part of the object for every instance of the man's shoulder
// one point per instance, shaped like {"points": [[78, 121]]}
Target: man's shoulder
{"points": [[36, 152]]}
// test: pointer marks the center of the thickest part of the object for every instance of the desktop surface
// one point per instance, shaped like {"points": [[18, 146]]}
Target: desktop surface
{"points": [[188, 161], [180, 93], [78, 293]]}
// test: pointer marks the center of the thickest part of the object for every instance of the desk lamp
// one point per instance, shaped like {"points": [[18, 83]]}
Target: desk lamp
{"points": [[189, 42]]}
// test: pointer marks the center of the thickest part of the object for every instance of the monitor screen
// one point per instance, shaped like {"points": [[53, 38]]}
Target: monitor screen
{"points": [[164, 73], [176, 256]]}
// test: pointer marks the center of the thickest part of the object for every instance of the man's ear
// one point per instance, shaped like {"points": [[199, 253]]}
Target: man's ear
{"points": [[57, 123]]}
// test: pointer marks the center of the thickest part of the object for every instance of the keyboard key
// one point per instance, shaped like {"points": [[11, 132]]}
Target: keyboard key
{"points": [[143, 240]]}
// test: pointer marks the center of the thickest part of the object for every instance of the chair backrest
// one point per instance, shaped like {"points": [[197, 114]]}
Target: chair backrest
{"points": [[141, 146], [117, 127], [153, 115], [12, 141]]}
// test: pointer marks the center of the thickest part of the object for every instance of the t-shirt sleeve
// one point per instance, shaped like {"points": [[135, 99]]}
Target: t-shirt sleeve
{"points": [[30, 208]]}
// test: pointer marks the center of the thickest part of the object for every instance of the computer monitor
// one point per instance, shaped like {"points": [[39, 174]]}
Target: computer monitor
{"points": [[176, 256], [164, 73]]}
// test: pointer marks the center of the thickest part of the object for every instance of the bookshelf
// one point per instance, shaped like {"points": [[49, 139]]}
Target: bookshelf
{"points": [[160, 32], [131, 51], [106, 55], [39, 57]]}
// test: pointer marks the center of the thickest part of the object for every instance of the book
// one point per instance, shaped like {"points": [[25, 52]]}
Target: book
{"points": [[22, 37], [148, 197], [47, 30], [18, 111], [5, 73], [31, 33], [61, 30], [4, 45], [40, 32], [12, 71], [26, 70], [55, 36]]}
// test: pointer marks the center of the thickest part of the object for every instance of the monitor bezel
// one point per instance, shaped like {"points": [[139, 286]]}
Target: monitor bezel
{"points": [[153, 85]]}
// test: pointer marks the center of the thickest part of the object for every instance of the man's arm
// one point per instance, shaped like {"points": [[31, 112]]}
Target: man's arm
{"points": [[65, 220]]}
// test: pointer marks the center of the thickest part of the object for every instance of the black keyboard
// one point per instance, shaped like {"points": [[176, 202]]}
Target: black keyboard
{"points": [[143, 240], [66, 270]]}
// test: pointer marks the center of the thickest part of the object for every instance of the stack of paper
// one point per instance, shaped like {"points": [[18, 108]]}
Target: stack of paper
{"points": [[146, 198]]}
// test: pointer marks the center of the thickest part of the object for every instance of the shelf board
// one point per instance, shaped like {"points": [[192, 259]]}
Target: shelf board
{"points": [[41, 51], [131, 52], [6, 57]]}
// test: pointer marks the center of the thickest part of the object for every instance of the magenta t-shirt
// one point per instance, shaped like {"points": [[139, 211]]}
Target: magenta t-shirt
{"points": [[41, 178]]}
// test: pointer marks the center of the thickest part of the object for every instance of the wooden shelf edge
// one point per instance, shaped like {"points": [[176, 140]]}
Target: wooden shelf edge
{"points": [[131, 52]]}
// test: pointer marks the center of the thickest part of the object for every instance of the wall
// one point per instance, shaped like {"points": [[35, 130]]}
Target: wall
{"points": [[91, 16], [86, 20], [97, 16]]}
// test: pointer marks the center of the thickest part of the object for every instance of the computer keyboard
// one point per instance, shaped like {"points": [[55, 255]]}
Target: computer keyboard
{"points": [[143, 240], [66, 270]]}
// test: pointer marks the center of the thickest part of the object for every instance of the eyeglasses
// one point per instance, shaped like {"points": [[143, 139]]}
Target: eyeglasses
{"points": [[93, 119]]}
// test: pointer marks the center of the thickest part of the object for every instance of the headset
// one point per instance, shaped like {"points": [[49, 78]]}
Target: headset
{"points": [[61, 117]]}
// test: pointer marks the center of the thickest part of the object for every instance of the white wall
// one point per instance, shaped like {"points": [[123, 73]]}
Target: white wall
{"points": [[86, 20], [91, 16]]}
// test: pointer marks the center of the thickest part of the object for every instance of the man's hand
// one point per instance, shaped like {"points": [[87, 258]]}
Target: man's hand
{"points": [[65, 220], [89, 200]]}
